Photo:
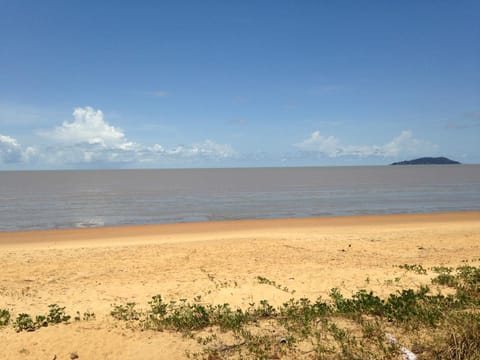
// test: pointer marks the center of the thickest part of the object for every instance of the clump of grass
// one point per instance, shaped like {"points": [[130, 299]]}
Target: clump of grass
{"points": [[461, 339]]}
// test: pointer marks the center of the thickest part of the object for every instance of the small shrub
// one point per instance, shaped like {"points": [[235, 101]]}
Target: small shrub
{"points": [[157, 306], [264, 310], [228, 319], [41, 321], [445, 280], [185, 316], [56, 314], [125, 312], [24, 322], [442, 269], [4, 317]]}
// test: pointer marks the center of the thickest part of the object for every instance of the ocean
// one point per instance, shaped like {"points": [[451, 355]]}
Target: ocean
{"points": [[91, 198]]}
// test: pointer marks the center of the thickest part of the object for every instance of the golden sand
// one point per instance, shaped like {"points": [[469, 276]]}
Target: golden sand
{"points": [[91, 269]]}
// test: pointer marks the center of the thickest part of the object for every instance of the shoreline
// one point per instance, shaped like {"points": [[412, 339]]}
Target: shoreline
{"points": [[205, 227]]}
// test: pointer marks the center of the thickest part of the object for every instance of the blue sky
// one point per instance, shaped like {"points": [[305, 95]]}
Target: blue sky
{"points": [[123, 84]]}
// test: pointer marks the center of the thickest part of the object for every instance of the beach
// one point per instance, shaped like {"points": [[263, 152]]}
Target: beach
{"points": [[89, 270]]}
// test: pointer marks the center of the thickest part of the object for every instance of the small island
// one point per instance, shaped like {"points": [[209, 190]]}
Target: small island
{"points": [[428, 161]]}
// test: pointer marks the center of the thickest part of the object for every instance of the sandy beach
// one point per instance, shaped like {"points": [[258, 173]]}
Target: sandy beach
{"points": [[88, 270]]}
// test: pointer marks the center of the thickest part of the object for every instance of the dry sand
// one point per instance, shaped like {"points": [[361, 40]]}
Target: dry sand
{"points": [[91, 269]]}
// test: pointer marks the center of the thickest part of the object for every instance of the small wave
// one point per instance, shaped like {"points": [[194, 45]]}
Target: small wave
{"points": [[89, 223]]}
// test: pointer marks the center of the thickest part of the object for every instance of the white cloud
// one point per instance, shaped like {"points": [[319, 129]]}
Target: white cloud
{"points": [[210, 148], [90, 139], [11, 152], [328, 145], [205, 149], [88, 127], [402, 145]]}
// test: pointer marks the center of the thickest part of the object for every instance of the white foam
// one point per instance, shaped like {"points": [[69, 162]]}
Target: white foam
{"points": [[89, 223]]}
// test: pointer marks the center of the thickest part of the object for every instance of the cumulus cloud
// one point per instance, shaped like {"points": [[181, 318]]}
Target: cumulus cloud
{"points": [[88, 127], [402, 145], [11, 152], [90, 139]]}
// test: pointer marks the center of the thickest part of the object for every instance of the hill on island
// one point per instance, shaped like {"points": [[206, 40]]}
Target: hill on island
{"points": [[427, 161]]}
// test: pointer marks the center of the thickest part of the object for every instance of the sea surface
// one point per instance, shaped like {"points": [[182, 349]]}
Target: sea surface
{"points": [[91, 198]]}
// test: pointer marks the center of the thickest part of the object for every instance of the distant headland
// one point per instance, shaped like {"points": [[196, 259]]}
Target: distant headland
{"points": [[428, 161]]}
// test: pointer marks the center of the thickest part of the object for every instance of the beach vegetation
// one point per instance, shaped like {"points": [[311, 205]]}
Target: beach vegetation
{"points": [[441, 325], [55, 315], [264, 280], [461, 338], [125, 312], [359, 326], [86, 316], [418, 269], [4, 317], [24, 322], [41, 321]]}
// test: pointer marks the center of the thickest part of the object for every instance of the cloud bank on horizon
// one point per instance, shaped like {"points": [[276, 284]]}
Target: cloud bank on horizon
{"points": [[90, 141], [402, 145]]}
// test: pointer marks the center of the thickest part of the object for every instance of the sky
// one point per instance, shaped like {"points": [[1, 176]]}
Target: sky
{"points": [[168, 84]]}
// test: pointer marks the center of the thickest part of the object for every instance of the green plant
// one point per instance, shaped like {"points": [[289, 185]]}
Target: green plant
{"points": [[301, 315], [461, 340], [184, 316], [24, 322], [157, 306], [125, 312], [56, 314], [264, 280], [442, 269], [4, 317], [88, 316], [228, 319], [342, 327], [419, 269], [41, 321], [445, 280]]}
